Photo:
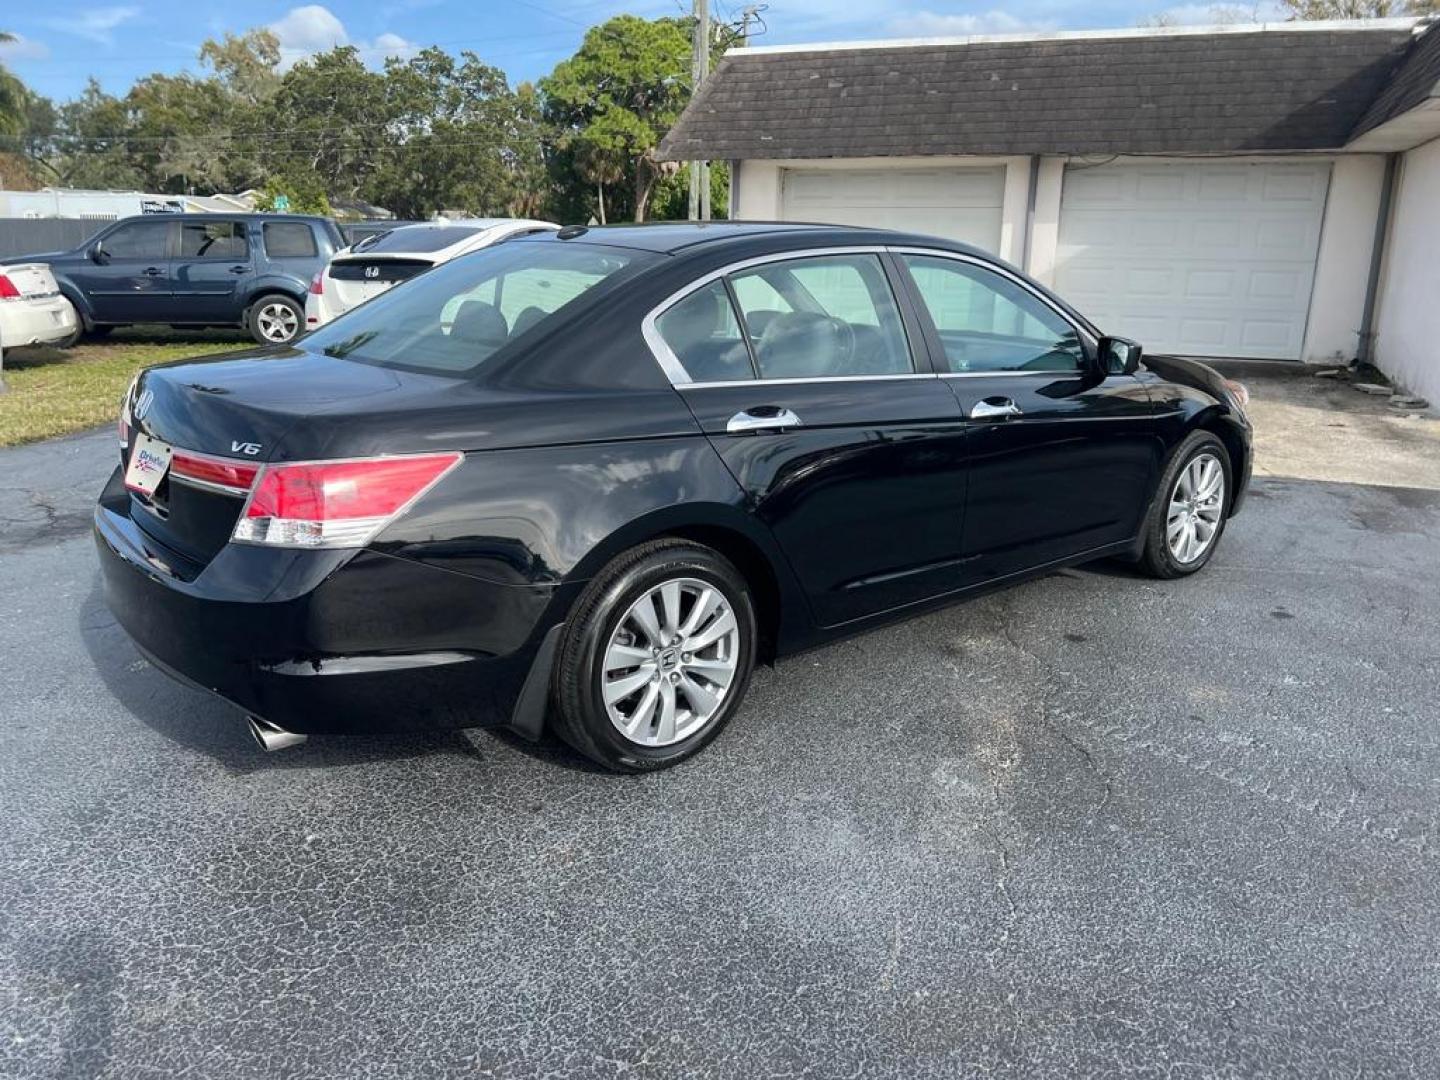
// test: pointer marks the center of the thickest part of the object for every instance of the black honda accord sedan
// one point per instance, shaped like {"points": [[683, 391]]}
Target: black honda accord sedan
{"points": [[592, 478]]}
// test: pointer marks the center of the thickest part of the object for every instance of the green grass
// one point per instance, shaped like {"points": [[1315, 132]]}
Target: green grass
{"points": [[57, 391]]}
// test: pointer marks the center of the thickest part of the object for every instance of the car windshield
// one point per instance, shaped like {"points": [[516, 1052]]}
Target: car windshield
{"points": [[455, 317]]}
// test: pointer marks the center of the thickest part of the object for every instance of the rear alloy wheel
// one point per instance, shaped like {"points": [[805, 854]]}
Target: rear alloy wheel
{"points": [[1188, 517], [656, 658], [275, 320]]}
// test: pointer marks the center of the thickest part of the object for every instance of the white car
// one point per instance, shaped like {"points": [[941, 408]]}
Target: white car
{"points": [[32, 311], [371, 266]]}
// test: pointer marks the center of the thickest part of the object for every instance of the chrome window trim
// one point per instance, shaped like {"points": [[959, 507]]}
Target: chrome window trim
{"points": [[679, 378], [810, 379], [675, 371], [1011, 374]]}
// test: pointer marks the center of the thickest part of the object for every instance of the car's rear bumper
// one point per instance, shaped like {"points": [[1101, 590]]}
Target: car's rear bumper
{"points": [[36, 322], [325, 642]]}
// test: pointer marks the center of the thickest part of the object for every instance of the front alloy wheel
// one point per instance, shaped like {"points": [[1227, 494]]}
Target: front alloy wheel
{"points": [[656, 656], [1187, 517], [1197, 503]]}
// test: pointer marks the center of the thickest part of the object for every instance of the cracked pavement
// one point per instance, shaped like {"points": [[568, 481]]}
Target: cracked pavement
{"points": [[1093, 825]]}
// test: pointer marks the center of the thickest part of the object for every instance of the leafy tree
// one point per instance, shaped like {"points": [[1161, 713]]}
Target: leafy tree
{"points": [[305, 193], [331, 117], [613, 100], [13, 98], [463, 141], [1359, 9], [247, 65], [671, 200]]}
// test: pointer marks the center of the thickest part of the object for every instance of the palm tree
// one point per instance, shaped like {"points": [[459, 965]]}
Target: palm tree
{"points": [[13, 96]]}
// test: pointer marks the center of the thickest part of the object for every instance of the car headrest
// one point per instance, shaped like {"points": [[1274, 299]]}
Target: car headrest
{"points": [[695, 320], [526, 319], [479, 323], [759, 320], [804, 344]]}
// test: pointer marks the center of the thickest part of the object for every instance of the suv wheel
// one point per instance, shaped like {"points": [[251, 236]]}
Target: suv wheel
{"points": [[275, 320], [656, 657]]}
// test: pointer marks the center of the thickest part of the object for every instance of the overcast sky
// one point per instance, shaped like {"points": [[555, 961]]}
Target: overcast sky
{"points": [[62, 42]]}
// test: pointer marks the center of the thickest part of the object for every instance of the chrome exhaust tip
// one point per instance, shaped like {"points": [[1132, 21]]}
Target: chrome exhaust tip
{"points": [[272, 737]]}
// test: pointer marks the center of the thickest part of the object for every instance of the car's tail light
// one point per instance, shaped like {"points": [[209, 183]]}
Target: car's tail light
{"points": [[317, 283], [231, 476], [335, 504], [125, 411], [8, 291]]}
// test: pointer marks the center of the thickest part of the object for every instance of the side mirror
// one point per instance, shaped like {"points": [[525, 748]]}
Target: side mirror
{"points": [[1119, 356], [97, 253]]}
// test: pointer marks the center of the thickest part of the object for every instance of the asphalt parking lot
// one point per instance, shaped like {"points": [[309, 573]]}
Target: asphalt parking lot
{"points": [[1094, 825]]}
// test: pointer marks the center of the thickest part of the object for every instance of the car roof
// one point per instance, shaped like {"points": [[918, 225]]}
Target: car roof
{"points": [[223, 215], [675, 237]]}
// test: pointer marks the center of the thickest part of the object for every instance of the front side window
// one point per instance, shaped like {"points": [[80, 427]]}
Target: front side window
{"points": [[455, 317], [986, 322], [213, 240], [289, 240], [822, 317], [138, 240]]}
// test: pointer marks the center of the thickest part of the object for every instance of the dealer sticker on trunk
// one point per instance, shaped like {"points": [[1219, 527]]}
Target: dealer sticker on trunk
{"points": [[149, 460]]}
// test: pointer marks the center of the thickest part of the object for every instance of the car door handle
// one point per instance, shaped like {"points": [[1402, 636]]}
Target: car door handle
{"points": [[239, 269], [762, 418], [995, 408], [153, 271]]}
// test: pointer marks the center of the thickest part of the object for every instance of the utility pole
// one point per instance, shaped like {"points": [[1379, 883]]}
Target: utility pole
{"points": [[699, 72]]}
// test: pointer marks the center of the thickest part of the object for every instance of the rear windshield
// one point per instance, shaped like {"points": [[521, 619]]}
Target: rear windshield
{"points": [[455, 317], [417, 238]]}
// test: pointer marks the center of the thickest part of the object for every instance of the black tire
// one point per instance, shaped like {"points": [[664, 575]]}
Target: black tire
{"points": [[265, 306], [69, 342], [581, 718], [1157, 559]]}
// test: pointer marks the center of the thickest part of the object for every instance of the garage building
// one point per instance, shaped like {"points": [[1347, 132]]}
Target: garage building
{"points": [[1214, 192]]}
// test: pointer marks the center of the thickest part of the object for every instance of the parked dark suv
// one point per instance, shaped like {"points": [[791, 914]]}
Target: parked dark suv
{"points": [[249, 270]]}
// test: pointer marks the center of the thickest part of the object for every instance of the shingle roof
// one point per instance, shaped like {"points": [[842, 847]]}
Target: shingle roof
{"points": [[1416, 79], [1238, 90]]}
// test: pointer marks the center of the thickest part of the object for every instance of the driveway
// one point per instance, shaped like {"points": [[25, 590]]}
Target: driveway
{"points": [[1096, 824]]}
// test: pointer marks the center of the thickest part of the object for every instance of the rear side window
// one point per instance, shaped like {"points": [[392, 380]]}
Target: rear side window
{"points": [[289, 240], [138, 240], [455, 317], [705, 336], [213, 240]]}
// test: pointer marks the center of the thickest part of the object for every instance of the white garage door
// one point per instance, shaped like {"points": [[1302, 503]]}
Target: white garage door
{"points": [[960, 204], [1197, 259]]}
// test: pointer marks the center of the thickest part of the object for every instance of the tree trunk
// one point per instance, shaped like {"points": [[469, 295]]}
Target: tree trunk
{"points": [[644, 183], [600, 194]]}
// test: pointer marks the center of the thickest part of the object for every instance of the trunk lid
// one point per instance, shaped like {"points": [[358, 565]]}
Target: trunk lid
{"points": [[238, 408], [31, 280]]}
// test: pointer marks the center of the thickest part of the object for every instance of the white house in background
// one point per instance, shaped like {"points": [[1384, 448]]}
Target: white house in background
{"points": [[1209, 191], [85, 205], [112, 205]]}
